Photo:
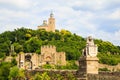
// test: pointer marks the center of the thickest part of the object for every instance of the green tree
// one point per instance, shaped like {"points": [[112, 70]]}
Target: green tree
{"points": [[4, 70], [13, 62], [18, 48], [32, 45], [16, 73]]}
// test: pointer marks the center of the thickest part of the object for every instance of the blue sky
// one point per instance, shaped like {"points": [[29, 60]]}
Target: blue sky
{"points": [[98, 18]]}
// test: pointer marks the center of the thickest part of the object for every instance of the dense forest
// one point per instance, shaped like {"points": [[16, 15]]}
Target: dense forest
{"points": [[28, 40]]}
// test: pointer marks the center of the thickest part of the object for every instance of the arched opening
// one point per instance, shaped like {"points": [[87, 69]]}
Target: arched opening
{"points": [[48, 60], [28, 62]]}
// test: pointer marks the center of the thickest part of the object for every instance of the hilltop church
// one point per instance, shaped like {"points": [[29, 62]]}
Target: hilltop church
{"points": [[50, 25]]}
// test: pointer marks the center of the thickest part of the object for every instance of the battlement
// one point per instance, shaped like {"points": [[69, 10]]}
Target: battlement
{"points": [[47, 48], [48, 55]]}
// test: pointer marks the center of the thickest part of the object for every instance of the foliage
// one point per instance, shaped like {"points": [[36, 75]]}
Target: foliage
{"points": [[48, 66], [107, 47], [109, 59], [13, 62], [16, 73], [28, 40], [43, 76], [71, 76], [59, 77], [37, 76], [4, 70], [71, 65], [53, 76], [104, 69], [9, 71], [2, 55]]}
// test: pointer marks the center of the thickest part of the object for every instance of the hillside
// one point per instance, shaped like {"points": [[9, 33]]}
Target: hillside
{"points": [[28, 40]]}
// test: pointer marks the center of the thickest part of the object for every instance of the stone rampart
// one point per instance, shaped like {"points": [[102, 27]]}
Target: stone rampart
{"points": [[64, 73]]}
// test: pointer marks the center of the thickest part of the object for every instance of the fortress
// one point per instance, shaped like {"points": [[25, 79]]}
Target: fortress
{"points": [[50, 26], [88, 62], [48, 55]]}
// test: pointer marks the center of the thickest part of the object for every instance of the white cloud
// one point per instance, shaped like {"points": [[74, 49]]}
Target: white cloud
{"points": [[13, 14], [17, 3], [111, 37], [117, 36], [94, 5], [8, 27], [87, 19], [115, 14]]}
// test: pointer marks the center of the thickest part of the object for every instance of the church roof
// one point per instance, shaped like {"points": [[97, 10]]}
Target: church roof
{"points": [[43, 25]]}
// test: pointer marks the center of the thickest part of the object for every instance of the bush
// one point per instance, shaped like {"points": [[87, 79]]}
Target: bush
{"points": [[48, 66], [43, 76]]}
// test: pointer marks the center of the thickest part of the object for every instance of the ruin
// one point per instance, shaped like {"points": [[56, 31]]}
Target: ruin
{"points": [[49, 55]]}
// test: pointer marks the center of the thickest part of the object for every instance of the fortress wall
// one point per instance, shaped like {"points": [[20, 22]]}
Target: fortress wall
{"points": [[111, 68], [48, 48], [65, 73], [35, 60]]}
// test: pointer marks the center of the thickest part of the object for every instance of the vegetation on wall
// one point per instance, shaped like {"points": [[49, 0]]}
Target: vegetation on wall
{"points": [[71, 65]]}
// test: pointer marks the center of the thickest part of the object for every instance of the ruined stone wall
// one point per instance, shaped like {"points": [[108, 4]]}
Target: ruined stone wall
{"points": [[49, 52], [35, 60], [65, 73], [111, 68], [60, 58], [104, 76], [48, 48], [48, 55]]}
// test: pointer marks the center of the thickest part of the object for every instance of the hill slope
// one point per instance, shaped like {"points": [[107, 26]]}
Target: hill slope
{"points": [[29, 40]]}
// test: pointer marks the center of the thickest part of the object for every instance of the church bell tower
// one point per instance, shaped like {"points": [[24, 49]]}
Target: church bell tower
{"points": [[51, 23]]}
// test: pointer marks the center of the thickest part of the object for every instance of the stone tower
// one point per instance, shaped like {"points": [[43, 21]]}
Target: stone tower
{"points": [[50, 26], [51, 23], [28, 61], [49, 55], [88, 63]]}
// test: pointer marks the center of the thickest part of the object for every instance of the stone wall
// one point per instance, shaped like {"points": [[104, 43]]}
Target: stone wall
{"points": [[48, 55], [65, 73], [104, 76], [111, 68]]}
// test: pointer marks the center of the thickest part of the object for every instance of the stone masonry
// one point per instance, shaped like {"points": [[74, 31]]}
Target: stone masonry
{"points": [[48, 55], [50, 26], [88, 63]]}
